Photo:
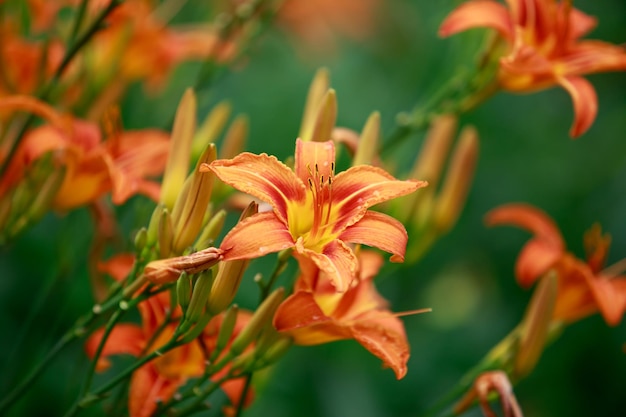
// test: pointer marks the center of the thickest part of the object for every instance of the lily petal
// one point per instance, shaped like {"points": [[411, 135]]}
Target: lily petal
{"points": [[361, 187], [317, 158], [477, 14], [123, 339], [256, 236], [147, 387], [535, 259], [337, 261], [381, 231], [610, 296], [261, 176], [585, 103]]}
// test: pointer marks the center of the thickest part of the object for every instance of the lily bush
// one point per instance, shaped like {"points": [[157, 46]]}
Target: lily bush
{"points": [[191, 223]]}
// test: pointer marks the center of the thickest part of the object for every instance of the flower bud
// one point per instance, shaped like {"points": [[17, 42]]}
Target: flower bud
{"points": [[261, 317], [180, 149], [166, 233], [199, 296], [275, 351], [226, 329], [235, 138], [317, 90], [211, 231], [153, 226], [211, 127], [536, 324], [326, 118], [141, 239], [183, 291], [452, 197], [368, 142]]}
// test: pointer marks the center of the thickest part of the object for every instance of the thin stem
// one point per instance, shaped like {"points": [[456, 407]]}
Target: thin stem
{"points": [[244, 393]]}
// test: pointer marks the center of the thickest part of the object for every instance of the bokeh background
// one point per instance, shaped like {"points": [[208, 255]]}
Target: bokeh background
{"points": [[467, 277]]}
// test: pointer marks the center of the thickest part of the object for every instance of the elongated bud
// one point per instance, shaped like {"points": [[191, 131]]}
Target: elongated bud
{"points": [[211, 231], [235, 139], [141, 239], [47, 192], [183, 291], [275, 351], [166, 234], [317, 90], [367, 149], [180, 149], [226, 329], [192, 203], [260, 318], [536, 324], [211, 127], [197, 329], [326, 118], [164, 271], [199, 296], [459, 178], [153, 226]]}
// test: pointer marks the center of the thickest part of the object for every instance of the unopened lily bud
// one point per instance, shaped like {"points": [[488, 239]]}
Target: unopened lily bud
{"points": [[166, 234], [235, 138], [180, 149], [326, 118], [183, 290], [153, 226], [367, 148], [459, 178], [317, 90], [276, 350], [199, 296], [192, 203], [163, 271], [141, 239], [261, 317], [45, 195], [211, 231], [229, 275], [211, 127], [536, 324], [227, 328], [197, 329]]}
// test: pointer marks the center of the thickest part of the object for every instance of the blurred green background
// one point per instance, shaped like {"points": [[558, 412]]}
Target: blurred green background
{"points": [[467, 277]]}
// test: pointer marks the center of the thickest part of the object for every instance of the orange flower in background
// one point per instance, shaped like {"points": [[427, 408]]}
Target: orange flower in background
{"points": [[583, 286], [544, 48], [316, 313], [318, 22], [314, 211], [158, 380], [120, 165]]}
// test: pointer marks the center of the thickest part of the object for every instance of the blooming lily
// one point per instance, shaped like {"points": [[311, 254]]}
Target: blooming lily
{"points": [[158, 380], [544, 48], [583, 287], [314, 211], [317, 314]]}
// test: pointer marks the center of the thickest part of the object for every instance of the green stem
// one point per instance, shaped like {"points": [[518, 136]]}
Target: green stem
{"points": [[244, 393], [281, 261]]}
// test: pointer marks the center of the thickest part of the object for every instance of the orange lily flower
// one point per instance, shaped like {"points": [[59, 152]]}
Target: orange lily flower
{"points": [[317, 314], [544, 48], [314, 211], [119, 165], [583, 287], [158, 380]]}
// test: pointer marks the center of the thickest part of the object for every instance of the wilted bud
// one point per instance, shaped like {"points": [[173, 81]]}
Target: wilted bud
{"points": [[163, 271], [536, 324], [180, 149], [192, 203], [199, 296], [211, 230], [261, 317], [317, 90], [211, 127], [459, 178], [367, 148], [166, 234]]}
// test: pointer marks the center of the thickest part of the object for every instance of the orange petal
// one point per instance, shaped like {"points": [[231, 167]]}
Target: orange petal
{"points": [[529, 218], [256, 236], [383, 335], [535, 259], [301, 317], [585, 103], [261, 176], [118, 266], [580, 23], [381, 231], [147, 387], [477, 14], [123, 339], [364, 186], [337, 261], [610, 296], [316, 158]]}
